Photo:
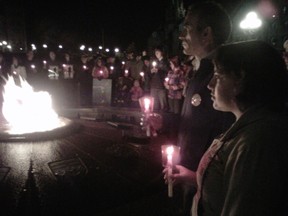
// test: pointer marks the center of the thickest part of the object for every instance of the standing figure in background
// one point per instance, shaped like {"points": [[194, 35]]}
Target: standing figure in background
{"points": [[85, 80], [113, 65], [67, 70], [3, 66], [33, 70], [131, 65], [175, 84], [157, 76], [145, 80], [68, 80], [18, 70], [53, 72], [53, 66], [99, 70]]}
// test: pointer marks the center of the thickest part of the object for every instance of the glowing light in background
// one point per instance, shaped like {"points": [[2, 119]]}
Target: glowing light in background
{"points": [[251, 21]]}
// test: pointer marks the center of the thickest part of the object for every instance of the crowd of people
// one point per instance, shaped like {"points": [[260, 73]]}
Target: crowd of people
{"points": [[231, 105], [68, 77]]}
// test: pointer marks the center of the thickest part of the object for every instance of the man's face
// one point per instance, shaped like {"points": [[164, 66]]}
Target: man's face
{"points": [[158, 54], [52, 55], [191, 37]]}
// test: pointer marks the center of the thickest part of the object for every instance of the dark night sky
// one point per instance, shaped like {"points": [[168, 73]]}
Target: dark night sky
{"points": [[118, 22]]}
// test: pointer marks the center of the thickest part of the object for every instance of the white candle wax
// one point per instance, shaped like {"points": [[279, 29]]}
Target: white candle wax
{"points": [[169, 151], [148, 131], [170, 184]]}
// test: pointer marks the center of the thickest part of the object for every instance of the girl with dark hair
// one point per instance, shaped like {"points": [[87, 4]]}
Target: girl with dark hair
{"points": [[245, 170]]}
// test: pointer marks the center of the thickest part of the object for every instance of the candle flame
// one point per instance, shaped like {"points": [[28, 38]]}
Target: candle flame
{"points": [[147, 103], [169, 150]]}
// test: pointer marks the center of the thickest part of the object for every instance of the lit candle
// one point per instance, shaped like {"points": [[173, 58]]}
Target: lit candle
{"points": [[166, 79], [169, 152], [111, 68], [101, 72], [142, 74], [147, 103], [154, 63], [44, 62], [84, 67], [126, 71], [33, 66]]}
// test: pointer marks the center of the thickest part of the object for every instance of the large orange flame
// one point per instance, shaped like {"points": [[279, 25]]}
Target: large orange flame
{"points": [[27, 111]]}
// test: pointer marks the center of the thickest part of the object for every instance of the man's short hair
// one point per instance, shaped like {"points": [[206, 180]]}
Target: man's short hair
{"points": [[212, 14]]}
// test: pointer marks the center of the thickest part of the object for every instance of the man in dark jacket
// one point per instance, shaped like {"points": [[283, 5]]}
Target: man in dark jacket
{"points": [[157, 76], [206, 27]]}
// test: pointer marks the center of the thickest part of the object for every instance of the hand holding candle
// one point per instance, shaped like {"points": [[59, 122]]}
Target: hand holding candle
{"points": [[170, 157]]}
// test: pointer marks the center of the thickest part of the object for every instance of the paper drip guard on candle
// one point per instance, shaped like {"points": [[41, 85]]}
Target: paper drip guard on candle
{"points": [[170, 157]]}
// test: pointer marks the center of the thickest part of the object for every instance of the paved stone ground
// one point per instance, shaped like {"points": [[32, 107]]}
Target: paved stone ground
{"points": [[93, 171]]}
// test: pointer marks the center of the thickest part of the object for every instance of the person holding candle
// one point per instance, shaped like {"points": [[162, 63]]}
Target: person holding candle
{"points": [[146, 78], [174, 83], [99, 70], [206, 26], [67, 80], [245, 169], [157, 74]]}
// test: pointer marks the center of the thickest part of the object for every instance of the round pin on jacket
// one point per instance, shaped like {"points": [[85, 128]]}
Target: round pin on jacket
{"points": [[196, 100]]}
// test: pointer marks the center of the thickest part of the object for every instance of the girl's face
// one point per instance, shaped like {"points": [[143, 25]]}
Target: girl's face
{"points": [[223, 88]]}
